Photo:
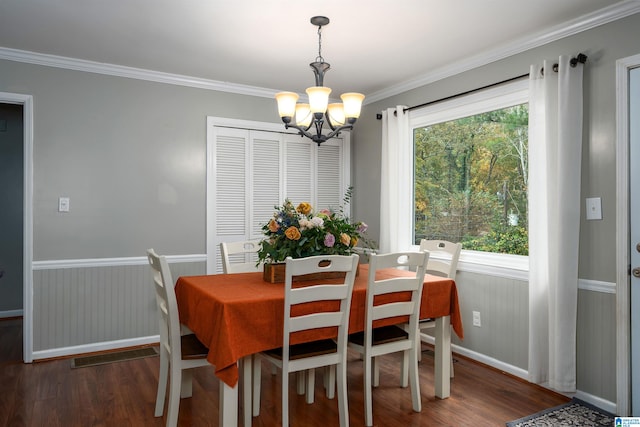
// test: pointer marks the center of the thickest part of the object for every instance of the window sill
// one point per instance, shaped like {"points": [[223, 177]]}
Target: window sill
{"points": [[500, 265]]}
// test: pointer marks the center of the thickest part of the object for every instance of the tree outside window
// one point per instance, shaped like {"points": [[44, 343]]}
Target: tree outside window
{"points": [[470, 181]]}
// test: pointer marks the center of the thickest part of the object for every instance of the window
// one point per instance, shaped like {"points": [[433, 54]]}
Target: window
{"points": [[470, 170]]}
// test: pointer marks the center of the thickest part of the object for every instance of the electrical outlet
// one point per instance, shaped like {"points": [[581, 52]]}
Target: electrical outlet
{"points": [[476, 319]]}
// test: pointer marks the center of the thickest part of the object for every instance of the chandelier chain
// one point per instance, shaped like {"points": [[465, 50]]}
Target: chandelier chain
{"points": [[319, 58]]}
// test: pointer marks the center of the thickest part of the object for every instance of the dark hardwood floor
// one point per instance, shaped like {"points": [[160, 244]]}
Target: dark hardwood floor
{"points": [[120, 394]]}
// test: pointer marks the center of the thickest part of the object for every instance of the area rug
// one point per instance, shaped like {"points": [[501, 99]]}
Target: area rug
{"points": [[119, 356], [574, 413]]}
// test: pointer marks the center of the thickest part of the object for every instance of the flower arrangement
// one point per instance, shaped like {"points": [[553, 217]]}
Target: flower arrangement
{"points": [[298, 232]]}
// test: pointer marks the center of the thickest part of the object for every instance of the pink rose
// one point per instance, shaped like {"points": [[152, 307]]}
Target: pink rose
{"points": [[329, 240]]}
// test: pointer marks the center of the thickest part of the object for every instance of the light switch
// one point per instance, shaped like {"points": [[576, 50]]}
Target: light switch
{"points": [[594, 208], [63, 204]]}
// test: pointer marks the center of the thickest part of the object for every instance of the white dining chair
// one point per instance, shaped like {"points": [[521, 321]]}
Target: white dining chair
{"points": [[240, 257], [443, 261], [327, 352], [375, 342], [178, 353]]}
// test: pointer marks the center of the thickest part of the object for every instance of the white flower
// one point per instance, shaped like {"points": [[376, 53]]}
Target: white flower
{"points": [[305, 223], [317, 221]]}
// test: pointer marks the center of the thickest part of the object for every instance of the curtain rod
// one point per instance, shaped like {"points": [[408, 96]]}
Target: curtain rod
{"points": [[580, 58]]}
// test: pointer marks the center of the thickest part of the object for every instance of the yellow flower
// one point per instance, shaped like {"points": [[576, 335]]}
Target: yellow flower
{"points": [[304, 208], [292, 233], [345, 239], [273, 225], [354, 241]]}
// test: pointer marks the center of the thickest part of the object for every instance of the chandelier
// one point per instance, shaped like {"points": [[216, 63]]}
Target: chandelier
{"points": [[339, 116]]}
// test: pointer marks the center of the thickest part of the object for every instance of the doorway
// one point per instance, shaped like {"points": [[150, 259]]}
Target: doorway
{"points": [[627, 236], [11, 214], [24, 103]]}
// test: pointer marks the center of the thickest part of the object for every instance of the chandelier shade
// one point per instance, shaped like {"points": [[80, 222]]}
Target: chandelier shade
{"points": [[339, 116]]}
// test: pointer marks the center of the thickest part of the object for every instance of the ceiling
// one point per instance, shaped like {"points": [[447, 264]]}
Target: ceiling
{"points": [[373, 46]]}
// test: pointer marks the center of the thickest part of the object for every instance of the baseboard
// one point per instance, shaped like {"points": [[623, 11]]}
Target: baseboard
{"points": [[484, 359], [523, 374], [597, 401], [11, 313], [95, 347]]}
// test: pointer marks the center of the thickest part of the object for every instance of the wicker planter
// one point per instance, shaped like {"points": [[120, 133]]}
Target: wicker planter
{"points": [[275, 273]]}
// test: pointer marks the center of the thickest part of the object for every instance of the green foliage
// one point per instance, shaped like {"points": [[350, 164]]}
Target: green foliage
{"points": [[506, 240], [470, 175]]}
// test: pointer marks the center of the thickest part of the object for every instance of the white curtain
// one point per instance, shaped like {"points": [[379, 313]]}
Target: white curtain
{"points": [[555, 145], [396, 189]]}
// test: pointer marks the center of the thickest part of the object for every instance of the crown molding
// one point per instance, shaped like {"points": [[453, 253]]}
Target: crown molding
{"points": [[583, 23], [569, 28], [131, 72]]}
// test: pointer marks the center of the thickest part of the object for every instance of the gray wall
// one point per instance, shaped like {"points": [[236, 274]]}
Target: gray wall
{"points": [[129, 154], [11, 208]]}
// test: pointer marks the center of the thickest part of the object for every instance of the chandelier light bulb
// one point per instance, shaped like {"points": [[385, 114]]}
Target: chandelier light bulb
{"points": [[352, 104], [318, 98], [303, 115], [287, 103], [335, 111]]}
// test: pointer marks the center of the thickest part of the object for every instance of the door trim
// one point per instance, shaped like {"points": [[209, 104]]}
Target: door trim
{"points": [[27, 234], [623, 292]]}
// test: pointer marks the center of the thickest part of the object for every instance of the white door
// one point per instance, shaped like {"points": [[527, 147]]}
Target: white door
{"points": [[634, 216]]}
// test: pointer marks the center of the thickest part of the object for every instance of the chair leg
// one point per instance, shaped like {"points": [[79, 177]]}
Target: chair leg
{"points": [[368, 373], [376, 371], [330, 381], [343, 404], [404, 369], [174, 395], [411, 357], [257, 379], [163, 375], [300, 383], [186, 386], [311, 385], [247, 368], [451, 364], [285, 397]]}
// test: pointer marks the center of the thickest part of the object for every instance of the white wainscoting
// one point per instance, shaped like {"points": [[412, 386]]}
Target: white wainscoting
{"points": [[86, 305]]}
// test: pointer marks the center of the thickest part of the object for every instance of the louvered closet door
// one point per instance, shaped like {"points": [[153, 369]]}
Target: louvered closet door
{"points": [[299, 169], [232, 201], [330, 185], [252, 172], [266, 149]]}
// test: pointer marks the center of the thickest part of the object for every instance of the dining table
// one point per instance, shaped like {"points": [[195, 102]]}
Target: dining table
{"points": [[239, 315]]}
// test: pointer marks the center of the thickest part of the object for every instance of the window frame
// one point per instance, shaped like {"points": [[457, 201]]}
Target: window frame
{"points": [[502, 96]]}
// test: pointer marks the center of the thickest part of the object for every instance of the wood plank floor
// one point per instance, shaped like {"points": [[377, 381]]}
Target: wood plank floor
{"points": [[120, 394]]}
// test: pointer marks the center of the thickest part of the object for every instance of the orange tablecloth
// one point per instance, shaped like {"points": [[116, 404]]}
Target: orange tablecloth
{"points": [[236, 315]]}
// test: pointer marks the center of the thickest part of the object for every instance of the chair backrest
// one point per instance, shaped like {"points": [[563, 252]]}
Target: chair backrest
{"points": [[240, 257], [386, 307], [315, 291], [443, 258], [167, 304]]}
